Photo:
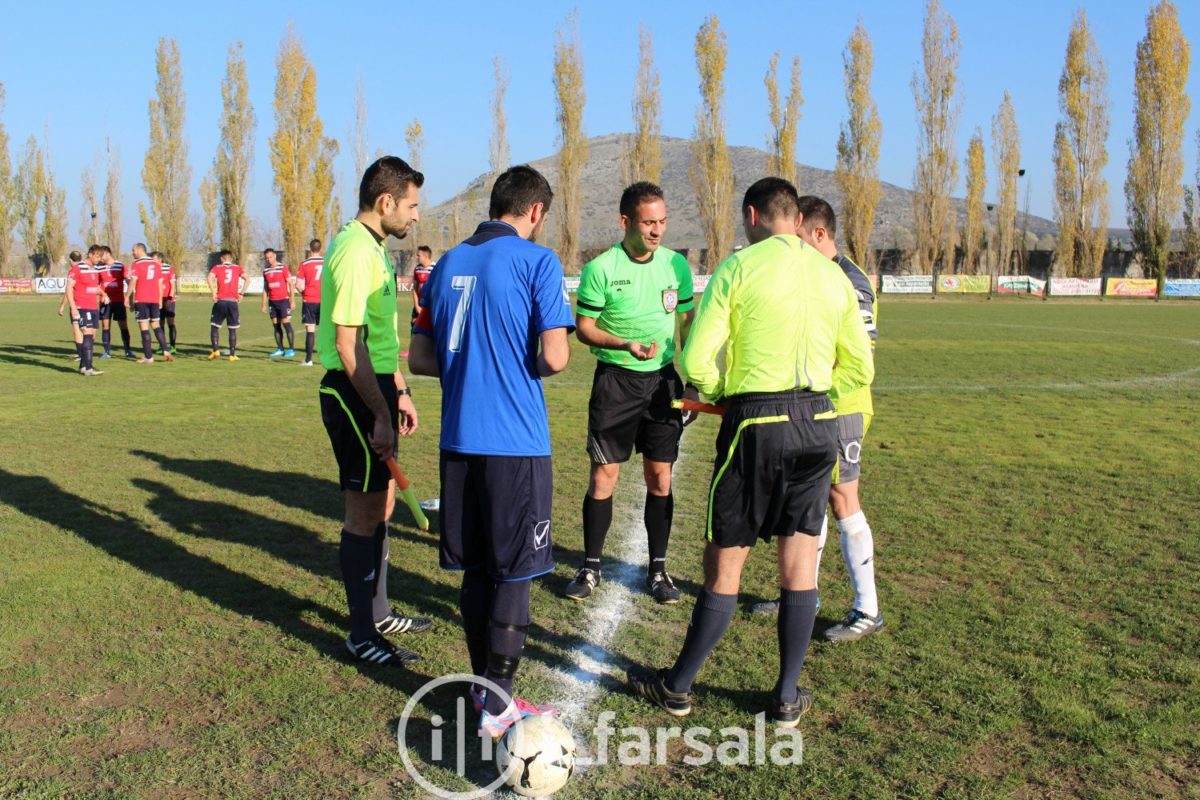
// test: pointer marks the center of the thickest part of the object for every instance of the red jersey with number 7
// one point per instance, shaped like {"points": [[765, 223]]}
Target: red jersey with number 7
{"points": [[229, 280], [309, 271], [146, 272]]}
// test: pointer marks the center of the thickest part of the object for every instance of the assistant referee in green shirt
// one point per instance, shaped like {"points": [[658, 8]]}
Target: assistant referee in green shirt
{"points": [[634, 309], [787, 324]]}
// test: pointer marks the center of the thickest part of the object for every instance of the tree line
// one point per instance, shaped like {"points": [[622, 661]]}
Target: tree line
{"points": [[33, 201]]}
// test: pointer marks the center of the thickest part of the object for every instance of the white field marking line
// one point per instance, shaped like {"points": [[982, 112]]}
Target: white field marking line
{"points": [[1122, 383], [578, 680]]}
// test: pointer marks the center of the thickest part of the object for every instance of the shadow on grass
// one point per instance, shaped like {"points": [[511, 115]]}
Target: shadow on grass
{"points": [[19, 356], [127, 539]]}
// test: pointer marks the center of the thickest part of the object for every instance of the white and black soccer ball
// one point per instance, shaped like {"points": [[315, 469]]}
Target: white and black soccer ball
{"points": [[536, 756]]}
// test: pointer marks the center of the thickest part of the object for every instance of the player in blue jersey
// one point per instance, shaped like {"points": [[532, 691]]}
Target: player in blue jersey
{"points": [[487, 306]]}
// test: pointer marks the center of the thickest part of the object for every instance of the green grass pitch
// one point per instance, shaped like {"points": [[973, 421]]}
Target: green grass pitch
{"points": [[171, 613]]}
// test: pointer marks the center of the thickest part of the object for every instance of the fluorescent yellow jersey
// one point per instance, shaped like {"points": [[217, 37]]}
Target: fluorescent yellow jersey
{"points": [[359, 290], [859, 401], [781, 316]]}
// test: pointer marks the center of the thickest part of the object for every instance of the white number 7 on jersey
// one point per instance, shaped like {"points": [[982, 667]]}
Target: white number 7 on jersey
{"points": [[466, 285]]}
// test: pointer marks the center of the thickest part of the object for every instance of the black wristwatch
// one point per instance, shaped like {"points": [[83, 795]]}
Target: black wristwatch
{"points": [[407, 390]]}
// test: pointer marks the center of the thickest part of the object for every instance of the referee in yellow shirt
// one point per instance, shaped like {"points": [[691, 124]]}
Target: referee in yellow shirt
{"points": [[787, 324]]}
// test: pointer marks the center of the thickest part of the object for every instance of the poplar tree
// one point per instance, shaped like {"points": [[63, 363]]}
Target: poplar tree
{"points": [[643, 158], [8, 215], [498, 151], [857, 171], [711, 168], [414, 137], [166, 176], [1006, 149], [973, 233], [30, 189], [572, 155], [110, 229], [784, 118]]}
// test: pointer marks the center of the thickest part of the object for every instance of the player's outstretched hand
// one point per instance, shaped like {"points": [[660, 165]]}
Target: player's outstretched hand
{"points": [[693, 394], [383, 438], [408, 415], [643, 352]]}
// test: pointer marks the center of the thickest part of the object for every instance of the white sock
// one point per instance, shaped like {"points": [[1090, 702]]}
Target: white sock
{"points": [[858, 551], [820, 550]]}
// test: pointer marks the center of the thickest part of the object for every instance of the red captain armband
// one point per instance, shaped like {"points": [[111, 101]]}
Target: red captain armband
{"points": [[424, 323]]}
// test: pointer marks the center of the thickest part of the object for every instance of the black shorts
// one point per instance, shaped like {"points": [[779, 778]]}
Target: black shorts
{"points": [[146, 311], [225, 311], [496, 514], [111, 310], [310, 313], [771, 476], [633, 409], [349, 423], [278, 309], [89, 318], [168, 307]]}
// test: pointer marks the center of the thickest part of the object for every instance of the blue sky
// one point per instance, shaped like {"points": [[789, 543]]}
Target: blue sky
{"points": [[83, 70]]}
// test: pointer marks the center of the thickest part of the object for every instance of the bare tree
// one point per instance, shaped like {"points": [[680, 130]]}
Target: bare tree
{"points": [[414, 137], [785, 118], [1006, 149], [643, 158], [89, 214], [54, 220], [498, 146], [110, 229], [1161, 108], [166, 175], [937, 113], [857, 171], [972, 240], [361, 149], [209, 204], [572, 155], [711, 168], [30, 190]]}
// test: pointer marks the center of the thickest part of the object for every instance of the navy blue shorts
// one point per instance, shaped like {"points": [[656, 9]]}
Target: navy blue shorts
{"points": [[311, 313], [89, 318], [278, 309], [111, 310], [496, 514], [168, 307], [146, 311], [225, 311]]}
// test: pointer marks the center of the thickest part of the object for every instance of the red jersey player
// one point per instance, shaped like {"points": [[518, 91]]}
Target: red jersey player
{"points": [[278, 288], [169, 287], [84, 292], [308, 283], [227, 281], [145, 295], [420, 277], [113, 273]]}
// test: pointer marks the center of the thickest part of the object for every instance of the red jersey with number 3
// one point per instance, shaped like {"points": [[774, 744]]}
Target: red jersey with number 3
{"points": [[278, 279], [146, 272], [229, 280], [87, 281], [167, 276], [309, 271]]}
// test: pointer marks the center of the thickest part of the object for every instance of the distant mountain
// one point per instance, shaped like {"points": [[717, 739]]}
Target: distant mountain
{"points": [[602, 184]]}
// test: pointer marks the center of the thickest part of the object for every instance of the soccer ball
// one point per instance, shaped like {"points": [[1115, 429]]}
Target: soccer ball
{"points": [[536, 756]]}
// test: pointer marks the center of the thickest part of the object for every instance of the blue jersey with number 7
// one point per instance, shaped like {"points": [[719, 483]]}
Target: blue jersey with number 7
{"points": [[485, 305]]}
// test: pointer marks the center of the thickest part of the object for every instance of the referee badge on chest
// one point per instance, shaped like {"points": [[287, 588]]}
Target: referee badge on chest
{"points": [[670, 300]]}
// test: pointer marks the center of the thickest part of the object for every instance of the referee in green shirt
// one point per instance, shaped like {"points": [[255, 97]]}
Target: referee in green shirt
{"points": [[630, 298], [787, 324], [365, 401]]}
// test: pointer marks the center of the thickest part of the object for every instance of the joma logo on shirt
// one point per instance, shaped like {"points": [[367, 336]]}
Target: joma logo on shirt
{"points": [[621, 283]]}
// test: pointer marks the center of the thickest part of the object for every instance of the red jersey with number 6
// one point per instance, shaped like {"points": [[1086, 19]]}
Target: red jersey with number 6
{"points": [[278, 280], [87, 281], [229, 277], [146, 272], [309, 271]]}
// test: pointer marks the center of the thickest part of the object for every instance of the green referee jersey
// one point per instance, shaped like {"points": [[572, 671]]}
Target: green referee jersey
{"points": [[359, 289], [781, 316], [636, 301]]}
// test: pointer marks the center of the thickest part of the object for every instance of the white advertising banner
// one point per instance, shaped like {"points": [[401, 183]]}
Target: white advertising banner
{"points": [[907, 284], [1074, 287]]}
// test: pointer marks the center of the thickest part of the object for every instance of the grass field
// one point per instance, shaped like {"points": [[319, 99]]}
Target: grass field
{"points": [[172, 614]]}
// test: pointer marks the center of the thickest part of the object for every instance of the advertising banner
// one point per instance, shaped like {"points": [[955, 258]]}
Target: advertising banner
{"points": [[1020, 284], [16, 285], [907, 284], [700, 283], [49, 285], [1131, 287], [1182, 287], [1074, 287], [964, 284]]}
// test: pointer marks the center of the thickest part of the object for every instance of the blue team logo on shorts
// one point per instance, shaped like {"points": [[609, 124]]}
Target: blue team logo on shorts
{"points": [[670, 300], [541, 534]]}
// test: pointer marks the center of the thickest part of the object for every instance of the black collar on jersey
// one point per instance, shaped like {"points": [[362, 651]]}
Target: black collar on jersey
{"points": [[378, 238], [492, 229], [629, 255]]}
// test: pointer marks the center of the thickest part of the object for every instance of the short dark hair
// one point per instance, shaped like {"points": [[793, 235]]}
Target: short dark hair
{"points": [[141, 245], [638, 193], [224, 253], [105, 248], [314, 246], [425, 249], [388, 175], [269, 250], [157, 254], [517, 190], [772, 198], [75, 256], [815, 212]]}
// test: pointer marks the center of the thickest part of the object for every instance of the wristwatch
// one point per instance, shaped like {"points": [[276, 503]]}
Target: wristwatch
{"points": [[406, 390]]}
